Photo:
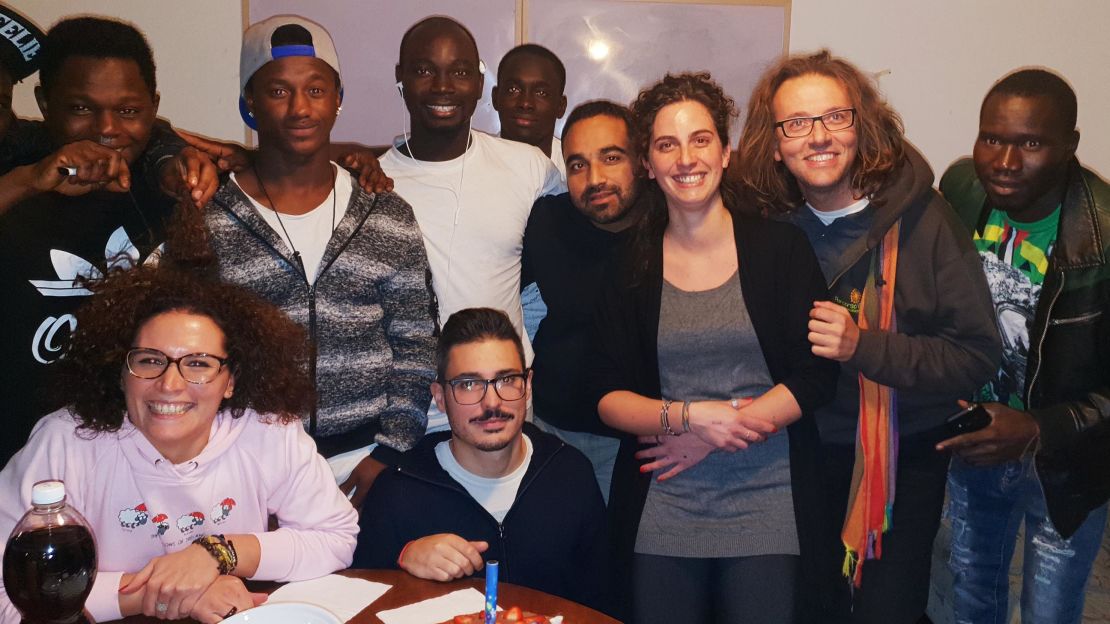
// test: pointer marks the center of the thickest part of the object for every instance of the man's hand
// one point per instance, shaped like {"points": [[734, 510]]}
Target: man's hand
{"points": [[360, 159], [227, 156], [173, 583], [1009, 435], [832, 331], [190, 174], [675, 452], [225, 597], [362, 477], [442, 557], [98, 167]]}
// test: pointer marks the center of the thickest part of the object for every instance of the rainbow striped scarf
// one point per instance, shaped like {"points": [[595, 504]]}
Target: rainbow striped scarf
{"points": [[871, 501]]}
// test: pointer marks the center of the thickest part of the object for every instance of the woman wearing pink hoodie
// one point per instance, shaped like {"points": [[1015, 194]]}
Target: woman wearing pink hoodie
{"points": [[182, 438]]}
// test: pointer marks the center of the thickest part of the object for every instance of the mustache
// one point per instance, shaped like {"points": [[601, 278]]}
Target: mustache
{"points": [[597, 189], [491, 414]]}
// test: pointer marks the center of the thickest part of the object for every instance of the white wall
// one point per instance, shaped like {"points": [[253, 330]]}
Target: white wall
{"points": [[943, 55], [196, 48]]}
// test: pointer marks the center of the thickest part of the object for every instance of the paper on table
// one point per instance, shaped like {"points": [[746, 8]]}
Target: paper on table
{"points": [[342, 595], [436, 610]]}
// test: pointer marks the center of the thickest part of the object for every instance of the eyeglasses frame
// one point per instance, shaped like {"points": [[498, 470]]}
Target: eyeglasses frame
{"points": [[176, 362], [814, 120], [486, 383]]}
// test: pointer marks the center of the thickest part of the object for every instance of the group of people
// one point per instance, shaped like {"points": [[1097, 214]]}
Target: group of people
{"points": [[277, 363]]}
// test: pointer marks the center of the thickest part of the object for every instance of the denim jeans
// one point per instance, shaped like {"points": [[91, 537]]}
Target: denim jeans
{"points": [[987, 505], [534, 309]]}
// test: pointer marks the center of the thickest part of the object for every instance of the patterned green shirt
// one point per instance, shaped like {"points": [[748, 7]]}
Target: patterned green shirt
{"points": [[1015, 260]]}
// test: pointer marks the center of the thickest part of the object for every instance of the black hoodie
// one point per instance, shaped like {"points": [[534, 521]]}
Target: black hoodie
{"points": [[553, 538]]}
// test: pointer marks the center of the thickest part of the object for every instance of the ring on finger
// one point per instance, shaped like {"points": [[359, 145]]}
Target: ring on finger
{"points": [[161, 607], [231, 612]]}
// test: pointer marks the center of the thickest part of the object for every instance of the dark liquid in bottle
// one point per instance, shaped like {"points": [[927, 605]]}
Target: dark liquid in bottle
{"points": [[49, 572]]}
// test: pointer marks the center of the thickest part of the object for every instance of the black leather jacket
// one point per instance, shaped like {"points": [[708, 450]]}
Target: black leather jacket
{"points": [[1067, 381]]}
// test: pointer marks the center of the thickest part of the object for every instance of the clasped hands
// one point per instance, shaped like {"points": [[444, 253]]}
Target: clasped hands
{"points": [[186, 583], [714, 425]]}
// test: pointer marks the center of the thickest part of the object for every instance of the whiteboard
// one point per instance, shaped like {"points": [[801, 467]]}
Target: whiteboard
{"points": [[614, 48]]}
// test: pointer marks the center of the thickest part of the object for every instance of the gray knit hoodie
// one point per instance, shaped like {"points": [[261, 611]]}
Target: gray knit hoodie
{"points": [[368, 314]]}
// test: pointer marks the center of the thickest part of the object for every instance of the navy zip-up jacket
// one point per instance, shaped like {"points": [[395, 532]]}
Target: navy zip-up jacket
{"points": [[552, 539]]}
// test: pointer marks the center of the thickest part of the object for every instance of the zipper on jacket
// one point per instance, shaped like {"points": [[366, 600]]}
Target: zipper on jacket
{"points": [[502, 563], [1040, 342], [298, 263], [1076, 319], [313, 348]]}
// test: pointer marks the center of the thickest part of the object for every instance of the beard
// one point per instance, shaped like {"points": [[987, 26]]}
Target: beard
{"points": [[608, 214]]}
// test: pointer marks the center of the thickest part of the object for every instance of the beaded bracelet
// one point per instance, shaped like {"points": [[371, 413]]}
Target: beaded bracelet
{"points": [[221, 550]]}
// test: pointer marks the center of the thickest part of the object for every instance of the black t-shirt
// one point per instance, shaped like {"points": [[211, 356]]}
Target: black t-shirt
{"points": [[568, 258], [45, 243]]}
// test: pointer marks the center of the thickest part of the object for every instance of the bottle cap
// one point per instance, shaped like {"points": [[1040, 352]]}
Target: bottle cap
{"points": [[48, 492]]}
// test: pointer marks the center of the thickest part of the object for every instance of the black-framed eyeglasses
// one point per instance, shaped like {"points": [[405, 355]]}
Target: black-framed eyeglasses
{"points": [[468, 390], [195, 368], [834, 121]]}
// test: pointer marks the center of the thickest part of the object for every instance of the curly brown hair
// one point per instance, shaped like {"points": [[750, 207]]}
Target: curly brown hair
{"points": [[266, 351], [690, 86], [879, 128]]}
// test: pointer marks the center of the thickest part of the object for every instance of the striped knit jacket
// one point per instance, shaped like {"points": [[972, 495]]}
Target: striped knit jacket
{"points": [[369, 314]]}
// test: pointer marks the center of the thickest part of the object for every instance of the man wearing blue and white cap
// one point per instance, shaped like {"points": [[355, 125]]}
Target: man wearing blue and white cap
{"points": [[347, 265]]}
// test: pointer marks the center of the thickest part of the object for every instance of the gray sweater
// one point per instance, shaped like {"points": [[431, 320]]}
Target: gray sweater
{"points": [[369, 314]]}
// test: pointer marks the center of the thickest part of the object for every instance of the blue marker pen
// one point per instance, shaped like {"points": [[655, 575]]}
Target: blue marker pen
{"points": [[491, 592]]}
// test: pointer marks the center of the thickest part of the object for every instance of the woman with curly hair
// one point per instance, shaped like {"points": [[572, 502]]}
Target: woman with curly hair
{"points": [[703, 355], [181, 439], [910, 320]]}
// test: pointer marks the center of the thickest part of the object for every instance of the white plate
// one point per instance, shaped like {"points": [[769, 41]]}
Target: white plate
{"points": [[284, 613]]}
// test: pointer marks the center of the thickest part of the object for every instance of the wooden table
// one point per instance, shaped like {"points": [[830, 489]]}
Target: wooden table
{"points": [[408, 589]]}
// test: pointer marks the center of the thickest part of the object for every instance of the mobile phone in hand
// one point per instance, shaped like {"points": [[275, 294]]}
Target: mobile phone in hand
{"points": [[973, 418]]}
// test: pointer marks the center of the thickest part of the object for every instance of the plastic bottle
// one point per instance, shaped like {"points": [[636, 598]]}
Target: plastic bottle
{"points": [[50, 559]]}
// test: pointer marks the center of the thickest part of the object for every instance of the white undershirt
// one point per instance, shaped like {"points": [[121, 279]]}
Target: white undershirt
{"points": [[496, 494], [310, 232], [828, 216]]}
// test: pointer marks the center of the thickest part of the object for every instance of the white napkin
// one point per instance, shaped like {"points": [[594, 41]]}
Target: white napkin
{"points": [[342, 595], [436, 610]]}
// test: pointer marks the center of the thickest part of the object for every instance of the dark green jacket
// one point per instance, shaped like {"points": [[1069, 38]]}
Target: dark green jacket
{"points": [[1067, 381]]}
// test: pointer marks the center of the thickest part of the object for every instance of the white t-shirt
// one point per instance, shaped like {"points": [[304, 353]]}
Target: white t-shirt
{"points": [[557, 157], [497, 494], [472, 211], [828, 216], [310, 232]]}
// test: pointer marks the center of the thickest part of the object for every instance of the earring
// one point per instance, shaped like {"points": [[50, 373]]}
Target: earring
{"points": [[338, 110]]}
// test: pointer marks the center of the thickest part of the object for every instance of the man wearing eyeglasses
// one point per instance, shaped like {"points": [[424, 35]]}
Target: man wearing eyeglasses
{"points": [[910, 320], [493, 487]]}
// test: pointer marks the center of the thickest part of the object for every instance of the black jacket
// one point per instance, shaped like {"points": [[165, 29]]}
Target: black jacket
{"points": [[946, 345], [566, 255], [1067, 381], [780, 280], [553, 539]]}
